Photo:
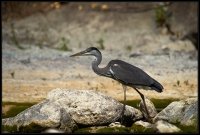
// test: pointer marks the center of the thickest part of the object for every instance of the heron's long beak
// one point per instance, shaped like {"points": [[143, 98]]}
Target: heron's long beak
{"points": [[78, 54]]}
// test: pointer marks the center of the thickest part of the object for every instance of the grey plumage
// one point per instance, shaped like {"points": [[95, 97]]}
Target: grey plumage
{"points": [[133, 76]]}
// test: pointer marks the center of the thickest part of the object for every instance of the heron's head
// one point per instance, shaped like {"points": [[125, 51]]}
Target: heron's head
{"points": [[89, 51]]}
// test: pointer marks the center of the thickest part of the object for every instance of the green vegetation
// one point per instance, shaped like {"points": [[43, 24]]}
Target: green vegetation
{"points": [[32, 128], [162, 103], [162, 16], [16, 109], [133, 129], [18, 104], [101, 44], [133, 103], [64, 44], [10, 129], [113, 130], [83, 130], [128, 47], [159, 103], [187, 129], [178, 82], [140, 129], [104, 130]]}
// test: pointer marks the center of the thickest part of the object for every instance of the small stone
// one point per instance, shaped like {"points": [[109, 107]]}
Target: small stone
{"points": [[116, 124], [52, 130], [144, 124], [141, 127]]}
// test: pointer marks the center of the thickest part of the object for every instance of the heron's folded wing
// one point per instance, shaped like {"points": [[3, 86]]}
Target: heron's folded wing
{"points": [[130, 74]]}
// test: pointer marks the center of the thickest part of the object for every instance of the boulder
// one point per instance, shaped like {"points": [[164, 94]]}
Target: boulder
{"points": [[88, 107], [41, 116], [183, 112], [66, 109], [165, 127]]}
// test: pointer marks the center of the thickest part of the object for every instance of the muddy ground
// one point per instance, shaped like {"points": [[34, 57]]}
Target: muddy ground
{"points": [[36, 49]]}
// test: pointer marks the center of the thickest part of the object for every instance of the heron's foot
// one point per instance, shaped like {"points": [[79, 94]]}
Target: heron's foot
{"points": [[149, 118]]}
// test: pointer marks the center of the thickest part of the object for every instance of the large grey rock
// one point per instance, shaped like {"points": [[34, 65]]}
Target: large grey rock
{"points": [[88, 107], [183, 112], [64, 109]]}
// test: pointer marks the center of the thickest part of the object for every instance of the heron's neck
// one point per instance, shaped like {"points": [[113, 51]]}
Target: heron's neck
{"points": [[95, 63]]}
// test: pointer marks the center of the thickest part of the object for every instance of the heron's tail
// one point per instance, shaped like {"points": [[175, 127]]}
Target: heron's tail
{"points": [[157, 86]]}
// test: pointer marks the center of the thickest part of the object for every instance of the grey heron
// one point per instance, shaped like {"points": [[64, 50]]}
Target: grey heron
{"points": [[123, 72]]}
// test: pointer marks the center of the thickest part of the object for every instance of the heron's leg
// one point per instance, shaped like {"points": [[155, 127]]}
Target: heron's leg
{"points": [[124, 104], [142, 96]]}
